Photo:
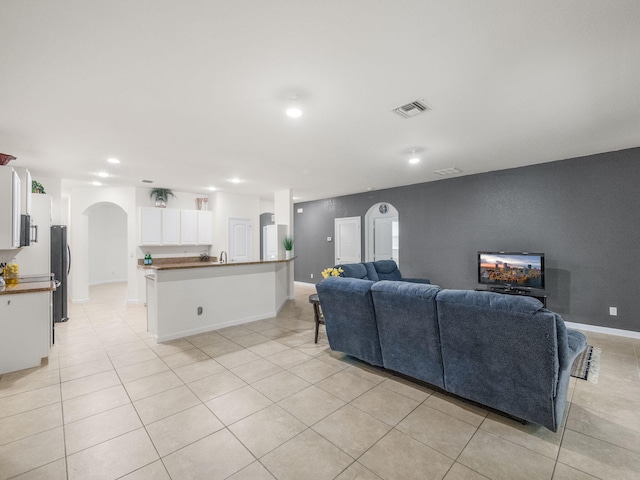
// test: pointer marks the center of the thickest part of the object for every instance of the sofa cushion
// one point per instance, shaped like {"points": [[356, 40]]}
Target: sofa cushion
{"points": [[349, 317], [387, 270], [408, 329], [501, 351], [354, 270]]}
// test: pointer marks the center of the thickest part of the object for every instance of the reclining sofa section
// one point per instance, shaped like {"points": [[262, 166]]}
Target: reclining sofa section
{"points": [[503, 351]]}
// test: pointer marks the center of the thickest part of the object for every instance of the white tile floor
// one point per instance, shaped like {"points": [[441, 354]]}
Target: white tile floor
{"points": [[262, 401]]}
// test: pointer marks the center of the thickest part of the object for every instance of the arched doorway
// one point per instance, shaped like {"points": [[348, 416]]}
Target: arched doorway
{"points": [[382, 233], [107, 244]]}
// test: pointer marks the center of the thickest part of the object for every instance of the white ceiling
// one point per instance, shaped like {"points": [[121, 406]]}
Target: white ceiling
{"points": [[192, 93]]}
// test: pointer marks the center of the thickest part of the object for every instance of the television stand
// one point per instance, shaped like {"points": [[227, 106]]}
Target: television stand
{"points": [[537, 294]]}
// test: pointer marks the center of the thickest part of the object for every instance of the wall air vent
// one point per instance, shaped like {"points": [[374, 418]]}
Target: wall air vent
{"points": [[447, 171], [412, 109], [147, 181]]}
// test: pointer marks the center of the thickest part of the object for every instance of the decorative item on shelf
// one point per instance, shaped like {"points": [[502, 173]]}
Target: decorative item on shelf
{"points": [[5, 158], [161, 195], [202, 201], [332, 272], [288, 247], [37, 187], [147, 259]]}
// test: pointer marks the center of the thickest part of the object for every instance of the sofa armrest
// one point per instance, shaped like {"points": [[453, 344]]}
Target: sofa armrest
{"points": [[416, 280], [576, 342]]}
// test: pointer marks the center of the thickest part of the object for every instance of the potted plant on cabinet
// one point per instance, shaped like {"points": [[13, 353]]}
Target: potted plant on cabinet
{"points": [[161, 195], [288, 247]]}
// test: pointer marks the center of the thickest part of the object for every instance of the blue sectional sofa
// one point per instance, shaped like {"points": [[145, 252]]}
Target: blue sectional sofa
{"points": [[376, 271], [504, 351]]}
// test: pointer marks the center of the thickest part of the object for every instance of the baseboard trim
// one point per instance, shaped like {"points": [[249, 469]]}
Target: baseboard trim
{"points": [[609, 331], [305, 284], [211, 328], [105, 282]]}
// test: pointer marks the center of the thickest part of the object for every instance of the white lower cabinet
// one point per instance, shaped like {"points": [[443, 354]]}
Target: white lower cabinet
{"points": [[25, 322]]}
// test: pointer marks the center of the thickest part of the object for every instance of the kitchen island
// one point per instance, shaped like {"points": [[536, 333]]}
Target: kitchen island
{"points": [[194, 297]]}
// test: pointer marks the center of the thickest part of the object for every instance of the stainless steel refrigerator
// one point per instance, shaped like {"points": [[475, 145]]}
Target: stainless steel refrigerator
{"points": [[60, 267]]}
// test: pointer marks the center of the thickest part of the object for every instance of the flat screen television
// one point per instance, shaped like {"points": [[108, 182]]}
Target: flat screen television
{"points": [[511, 269]]}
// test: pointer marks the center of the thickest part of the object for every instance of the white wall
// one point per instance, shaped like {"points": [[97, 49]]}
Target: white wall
{"points": [[283, 208], [107, 244], [266, 206], [225, 205], [53, 187]]}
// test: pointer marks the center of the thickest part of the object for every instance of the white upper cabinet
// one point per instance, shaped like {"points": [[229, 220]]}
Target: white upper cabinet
{"points": [[170, 226], [189, 227], [25, 187], [150, 226], [205, 227], [9, 208]]}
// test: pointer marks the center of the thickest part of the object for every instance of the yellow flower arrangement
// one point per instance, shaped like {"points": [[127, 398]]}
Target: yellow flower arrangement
{"points": [[332, 272]]}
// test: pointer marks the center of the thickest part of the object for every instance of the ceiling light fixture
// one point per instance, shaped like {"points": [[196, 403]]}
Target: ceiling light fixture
{"points": [[414, 160], [115, 161], [102, 174], [235, 180], [293, 109], [212, 189], [96, 184]]}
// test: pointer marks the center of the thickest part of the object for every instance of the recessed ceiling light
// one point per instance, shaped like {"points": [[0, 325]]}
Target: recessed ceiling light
{"points": [[212, 189], [102, 174], [235, 180], [96, 184], [113, 160], [293, 108], [414, 160], [294, 112]]}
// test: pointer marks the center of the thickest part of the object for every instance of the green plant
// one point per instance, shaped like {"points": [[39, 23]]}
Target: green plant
{"points": [[37, 187], [288, 243], [161, 194]]}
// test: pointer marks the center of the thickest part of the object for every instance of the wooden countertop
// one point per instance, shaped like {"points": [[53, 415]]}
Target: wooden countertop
{"points": [[27, 287], [180, 265]]}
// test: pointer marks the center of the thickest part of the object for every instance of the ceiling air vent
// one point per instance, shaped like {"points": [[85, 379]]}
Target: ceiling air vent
{"points": [[447, 171], [147, 181], [412, 109]]}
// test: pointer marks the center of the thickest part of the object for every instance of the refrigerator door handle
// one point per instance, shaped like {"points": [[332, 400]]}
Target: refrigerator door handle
{"points": [[34, 233], [68, 260]]}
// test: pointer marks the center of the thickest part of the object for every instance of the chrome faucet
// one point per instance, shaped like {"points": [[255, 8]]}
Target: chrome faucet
{"points": [[223, 257]]}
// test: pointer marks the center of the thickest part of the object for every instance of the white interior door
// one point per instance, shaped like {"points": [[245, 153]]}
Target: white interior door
{"points": [[270, 242], [383, 238], [348, 240], [240, 242]]}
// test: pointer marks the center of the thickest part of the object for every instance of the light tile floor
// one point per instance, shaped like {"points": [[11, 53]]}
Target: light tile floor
{"points": [[262, 401]]}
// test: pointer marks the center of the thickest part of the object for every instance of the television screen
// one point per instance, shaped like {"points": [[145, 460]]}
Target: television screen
{"points": [[517, 270]]}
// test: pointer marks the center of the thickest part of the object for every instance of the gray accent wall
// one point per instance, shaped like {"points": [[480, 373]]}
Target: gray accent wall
{"points": [[582, 213]]}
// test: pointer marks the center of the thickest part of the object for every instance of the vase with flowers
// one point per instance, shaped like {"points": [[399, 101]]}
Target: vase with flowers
{"points": [[332, 272]]}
